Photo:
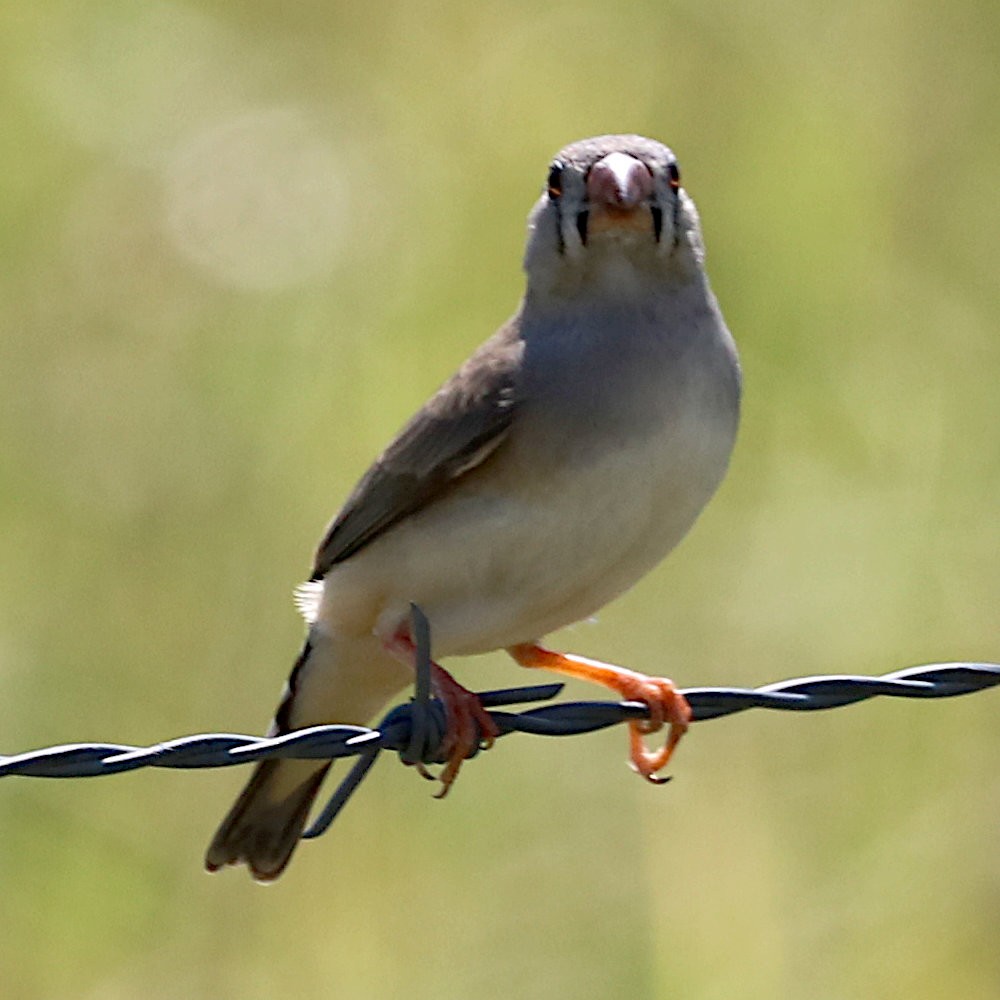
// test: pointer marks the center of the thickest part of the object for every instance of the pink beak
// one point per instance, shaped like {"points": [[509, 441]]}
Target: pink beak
{"points": [[619, 181]]}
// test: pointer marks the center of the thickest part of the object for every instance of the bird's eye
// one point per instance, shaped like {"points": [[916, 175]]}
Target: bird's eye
{"points": [[673, 176], [554, 183]]}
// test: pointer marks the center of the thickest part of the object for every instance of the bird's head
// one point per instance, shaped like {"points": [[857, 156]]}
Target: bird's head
{"points": [[612, 202]]}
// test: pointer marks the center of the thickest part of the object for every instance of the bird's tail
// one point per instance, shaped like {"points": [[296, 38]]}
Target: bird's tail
{"points": [[266, 821], [334, 680]]}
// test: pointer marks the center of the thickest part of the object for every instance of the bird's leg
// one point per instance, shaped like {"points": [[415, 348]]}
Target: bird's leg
{"points": [[666, 703], [468, 724]]}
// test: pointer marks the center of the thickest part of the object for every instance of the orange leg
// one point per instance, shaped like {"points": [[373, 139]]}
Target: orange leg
{"points": [[469, 724], [666, 703]]}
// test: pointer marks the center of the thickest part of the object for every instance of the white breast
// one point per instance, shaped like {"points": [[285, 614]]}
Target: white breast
{"points": [[604, 472]]}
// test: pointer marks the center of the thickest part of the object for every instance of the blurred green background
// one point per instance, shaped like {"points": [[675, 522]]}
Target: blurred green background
{"points": [[241, 242]]}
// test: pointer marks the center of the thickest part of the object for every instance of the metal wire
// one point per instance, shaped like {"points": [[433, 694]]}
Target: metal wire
{"points": [[415, 730]]}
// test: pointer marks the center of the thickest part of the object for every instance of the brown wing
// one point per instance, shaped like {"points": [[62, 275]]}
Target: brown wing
{"points": [[457, 429]]}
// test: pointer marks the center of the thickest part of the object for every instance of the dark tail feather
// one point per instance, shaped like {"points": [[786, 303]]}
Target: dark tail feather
{"points": [[264, 825]]}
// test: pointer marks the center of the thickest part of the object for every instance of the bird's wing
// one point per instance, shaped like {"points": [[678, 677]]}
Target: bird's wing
{"points": [[458, 429]]}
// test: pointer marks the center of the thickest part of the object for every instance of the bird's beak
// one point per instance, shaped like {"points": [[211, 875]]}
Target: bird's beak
{"points": [[618, 189]]}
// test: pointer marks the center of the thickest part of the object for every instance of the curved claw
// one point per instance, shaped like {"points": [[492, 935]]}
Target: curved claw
{"points": [[666, 706], [470, 727]]}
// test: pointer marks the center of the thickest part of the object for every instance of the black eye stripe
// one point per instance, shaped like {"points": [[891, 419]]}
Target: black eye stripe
{"points": [[554, 183], [673, 175], [657, 214]]}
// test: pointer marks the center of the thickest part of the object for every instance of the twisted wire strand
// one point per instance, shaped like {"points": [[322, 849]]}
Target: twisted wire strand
{"points": [[415, 730]]}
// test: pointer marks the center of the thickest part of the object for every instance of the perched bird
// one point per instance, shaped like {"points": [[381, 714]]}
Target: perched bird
{"points": [[563, 461]]}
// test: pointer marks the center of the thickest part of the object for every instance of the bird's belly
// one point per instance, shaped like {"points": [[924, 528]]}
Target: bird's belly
{"points": [[505, 560]]}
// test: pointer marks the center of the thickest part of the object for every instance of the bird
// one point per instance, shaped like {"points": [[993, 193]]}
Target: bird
{"points": [[561, 463]]}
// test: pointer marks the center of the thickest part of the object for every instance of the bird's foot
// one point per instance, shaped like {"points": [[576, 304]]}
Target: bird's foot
{"points": [[666, 706], [468, 726], [665, 703]]}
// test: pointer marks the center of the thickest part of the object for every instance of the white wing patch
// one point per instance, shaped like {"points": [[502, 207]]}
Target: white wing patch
{"points": [[307, 597]]}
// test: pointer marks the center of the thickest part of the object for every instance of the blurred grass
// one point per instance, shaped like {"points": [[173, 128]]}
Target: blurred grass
{"points": [[242, 242]]}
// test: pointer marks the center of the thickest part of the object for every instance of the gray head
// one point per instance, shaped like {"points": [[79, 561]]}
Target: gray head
{"points": [[613, 202]]}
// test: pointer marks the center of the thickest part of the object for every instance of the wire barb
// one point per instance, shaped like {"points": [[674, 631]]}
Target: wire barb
{"points": [[414, 730]]}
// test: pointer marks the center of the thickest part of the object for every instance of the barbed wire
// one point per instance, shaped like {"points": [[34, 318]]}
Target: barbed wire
{"points": [[415, 730]]}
